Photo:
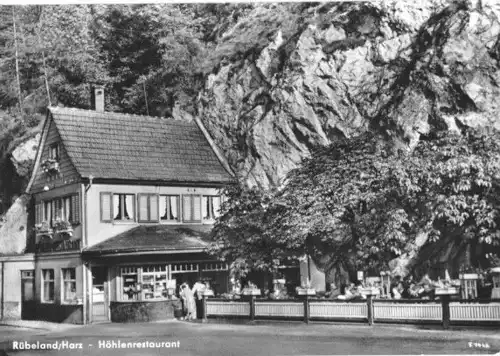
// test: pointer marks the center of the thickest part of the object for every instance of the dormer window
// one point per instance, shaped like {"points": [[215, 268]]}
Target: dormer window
{"points": [[54, 151]]}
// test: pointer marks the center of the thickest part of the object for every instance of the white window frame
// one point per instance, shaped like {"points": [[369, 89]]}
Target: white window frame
{"points": [[50, 281], [168, 208], [63, 285], [112, 208], [210, 199]]}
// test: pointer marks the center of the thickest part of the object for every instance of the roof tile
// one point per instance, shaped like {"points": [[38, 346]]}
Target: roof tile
{"points": [[122, 146]]}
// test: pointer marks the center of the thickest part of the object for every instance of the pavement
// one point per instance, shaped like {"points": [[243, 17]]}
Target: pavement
{"points": [[258, 338]]}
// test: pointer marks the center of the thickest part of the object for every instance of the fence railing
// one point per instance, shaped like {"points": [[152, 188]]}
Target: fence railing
{"points": [[377, 310], [59, 246]]}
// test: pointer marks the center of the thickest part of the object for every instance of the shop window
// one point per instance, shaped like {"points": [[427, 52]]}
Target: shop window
{"points": [[184, 267], [154, 282], [169, 207], [210, 207], [214, 266], [130, 280], [68, 284], [144, 283], [191, 208], [48, 285], [148, 207]]}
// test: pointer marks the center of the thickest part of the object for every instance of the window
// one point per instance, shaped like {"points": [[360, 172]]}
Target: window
{"points": [[148, 207], [169, 207], [68, 284], [191, 208], [65, 208], [130, 283], [123, 207], [47, 285], [117, 207], [54, 151], [210, 207], [154, 282]]}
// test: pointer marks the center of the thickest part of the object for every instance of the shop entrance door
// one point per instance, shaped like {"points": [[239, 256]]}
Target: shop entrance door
{"points": [[28, 295], [100, 303]]}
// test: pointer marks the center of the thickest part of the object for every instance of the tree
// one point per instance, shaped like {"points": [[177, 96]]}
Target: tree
{"points": [[358, 204]]}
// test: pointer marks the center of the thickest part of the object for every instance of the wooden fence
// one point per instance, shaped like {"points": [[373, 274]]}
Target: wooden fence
{"points": [[377, 310]]}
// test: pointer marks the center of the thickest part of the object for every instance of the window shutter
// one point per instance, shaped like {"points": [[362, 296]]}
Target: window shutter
{"points": [[186, 208], [53, 209], [39, 213], [153, 207], [106, 212], [196, 207], [143, 207], [75, 209]]}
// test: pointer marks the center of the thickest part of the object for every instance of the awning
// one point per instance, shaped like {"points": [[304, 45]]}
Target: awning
{"points": [[155, 238]]}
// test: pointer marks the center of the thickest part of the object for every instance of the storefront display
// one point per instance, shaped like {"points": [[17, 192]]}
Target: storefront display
{"points": [[157, 282]]}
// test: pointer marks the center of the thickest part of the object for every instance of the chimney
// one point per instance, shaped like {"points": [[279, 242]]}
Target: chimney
{"points": [[97, 98]]}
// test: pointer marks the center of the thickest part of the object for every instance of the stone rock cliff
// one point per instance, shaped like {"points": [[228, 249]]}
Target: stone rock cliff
{"points": [[404, 69]]}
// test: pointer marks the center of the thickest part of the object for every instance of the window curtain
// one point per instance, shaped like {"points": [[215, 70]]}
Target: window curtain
{"points": [[216, 207], [128, 208], [67, 209], [69, 278], [48, 212], [163, 207], [174, 204], [117, 208], [205, 207], [48, 285]]}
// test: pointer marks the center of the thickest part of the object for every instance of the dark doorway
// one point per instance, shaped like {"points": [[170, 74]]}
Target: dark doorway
{"points": [[28, 295]]}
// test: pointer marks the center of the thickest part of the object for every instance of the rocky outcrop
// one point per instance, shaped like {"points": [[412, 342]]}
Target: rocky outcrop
{"points": [[13, 227], [403, 69], [23, 156]]}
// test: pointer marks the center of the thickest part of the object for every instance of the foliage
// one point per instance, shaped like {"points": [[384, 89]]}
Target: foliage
{"points": [[358, 203]]}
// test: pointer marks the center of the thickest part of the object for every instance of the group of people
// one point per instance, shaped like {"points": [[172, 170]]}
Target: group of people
{"points": [[191, 298], [406, 288]]}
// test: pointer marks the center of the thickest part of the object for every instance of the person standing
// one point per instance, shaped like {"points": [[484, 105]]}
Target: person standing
{"points": [[198, 289], [188, 302]]}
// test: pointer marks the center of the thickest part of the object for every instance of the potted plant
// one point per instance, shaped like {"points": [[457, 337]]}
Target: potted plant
{"points": [[50, 165], [63, 227], [43, 228]]}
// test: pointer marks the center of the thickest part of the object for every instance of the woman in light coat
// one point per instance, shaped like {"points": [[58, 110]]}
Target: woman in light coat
{"points": [[188, 302]]}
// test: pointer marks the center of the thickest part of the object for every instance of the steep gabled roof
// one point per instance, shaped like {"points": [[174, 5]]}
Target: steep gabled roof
{"points": [[131, 147]]}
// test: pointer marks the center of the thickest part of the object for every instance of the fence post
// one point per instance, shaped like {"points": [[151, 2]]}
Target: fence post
{"points": [[204, 309], [307, 311], [445, 306], [369, 304], [252, 308]]}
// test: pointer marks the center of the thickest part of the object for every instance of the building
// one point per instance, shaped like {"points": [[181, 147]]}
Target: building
{"points": [[123, 207]]}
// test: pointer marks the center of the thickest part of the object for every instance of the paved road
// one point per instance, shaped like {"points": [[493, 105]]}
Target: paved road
{"points": [[182, 338]]}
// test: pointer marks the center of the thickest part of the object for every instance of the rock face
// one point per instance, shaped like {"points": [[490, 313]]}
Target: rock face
{"points": [[23, 156], [405, 69], [13, 227]]}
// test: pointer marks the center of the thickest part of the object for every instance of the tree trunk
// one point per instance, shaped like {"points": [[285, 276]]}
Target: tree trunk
{"points": [[17, 62]]}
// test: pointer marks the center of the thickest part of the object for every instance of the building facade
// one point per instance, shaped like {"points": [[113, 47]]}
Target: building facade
{"points": [[124, 205]]}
